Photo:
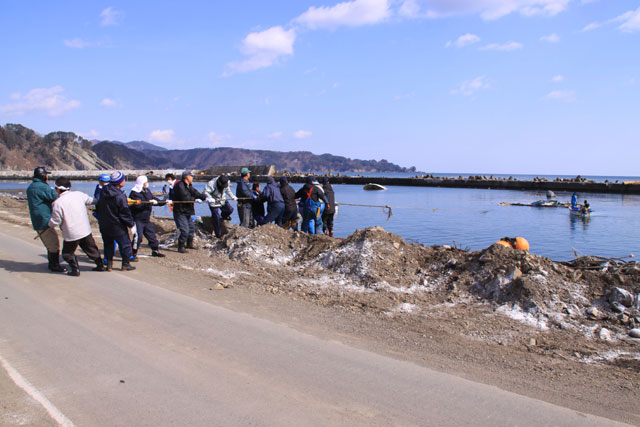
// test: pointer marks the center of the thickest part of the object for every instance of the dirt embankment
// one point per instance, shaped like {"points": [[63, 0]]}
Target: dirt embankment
{"points": [[557, 331]]}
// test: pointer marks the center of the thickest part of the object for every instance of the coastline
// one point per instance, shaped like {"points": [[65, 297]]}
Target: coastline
{"points": [[577, 184]]}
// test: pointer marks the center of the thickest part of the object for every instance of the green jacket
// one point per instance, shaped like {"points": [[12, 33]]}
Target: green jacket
{"points": [[40, 196]]}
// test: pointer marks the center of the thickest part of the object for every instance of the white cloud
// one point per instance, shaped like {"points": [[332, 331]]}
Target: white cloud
{"points": [[50, 101], [92, 134], [551, 38], [487, 9], [161, 135], [464, 40], [561, 95], [592, 26], [77, 43], [110, 16], [301, 134], [109, 103], [275, 135], [558, 78], [264, 49], [505, 47], [470, 87], [630, 21], [346, 14], [218, 139]]}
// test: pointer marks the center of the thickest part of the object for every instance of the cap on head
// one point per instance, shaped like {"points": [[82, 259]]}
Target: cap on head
{"points": [[325, 180], [117, 177], [40, 172], [270, 180], [244, 171], [104, 177], [283, 180], [309, 180], [186, 174]]}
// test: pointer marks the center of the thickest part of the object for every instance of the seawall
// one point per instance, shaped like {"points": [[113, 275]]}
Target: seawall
{"points": [[579, 186]]}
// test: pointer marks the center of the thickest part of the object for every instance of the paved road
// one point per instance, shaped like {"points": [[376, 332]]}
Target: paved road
{"points": [[110, 349]]}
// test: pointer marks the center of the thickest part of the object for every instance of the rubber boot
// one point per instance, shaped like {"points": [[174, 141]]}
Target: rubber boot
{"points": [[54, 263], [190, 243], [157, 253], [135, 256], [181, 248], [127, 267], [99, 265], [75, 269]]}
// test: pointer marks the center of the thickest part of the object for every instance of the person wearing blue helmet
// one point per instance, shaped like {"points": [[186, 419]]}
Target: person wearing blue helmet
{"points": [[103, 180]]}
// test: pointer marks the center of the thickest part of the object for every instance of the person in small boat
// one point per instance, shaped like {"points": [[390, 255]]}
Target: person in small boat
{"points": [[585, 207], [574, 201]]}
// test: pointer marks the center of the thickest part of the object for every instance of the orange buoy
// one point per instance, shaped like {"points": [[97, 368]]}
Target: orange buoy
{"points": [[522, 243]]}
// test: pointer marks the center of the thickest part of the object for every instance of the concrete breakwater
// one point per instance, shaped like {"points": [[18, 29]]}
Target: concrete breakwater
{"points": [[578, 184]]}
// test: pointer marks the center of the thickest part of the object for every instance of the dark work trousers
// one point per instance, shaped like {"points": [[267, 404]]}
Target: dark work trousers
{"points": [[146, 228], [327, 222], [274, 213], [289, 215], [245, 214], [124, 244], [186, 227], [220, 212], [87, 244]]}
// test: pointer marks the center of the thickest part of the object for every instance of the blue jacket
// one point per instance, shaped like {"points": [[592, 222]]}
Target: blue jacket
{"points": [[271, 192], [40, 196], [243, 189]]}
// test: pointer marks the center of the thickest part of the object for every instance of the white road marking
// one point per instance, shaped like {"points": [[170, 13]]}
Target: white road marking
{"points": [[22, 382]]}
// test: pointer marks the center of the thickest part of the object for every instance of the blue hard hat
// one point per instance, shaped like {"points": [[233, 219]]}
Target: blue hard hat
{"points": [[104, 177]]}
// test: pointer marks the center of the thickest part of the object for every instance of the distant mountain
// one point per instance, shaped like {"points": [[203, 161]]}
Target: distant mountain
{"points": [[203, 158], [136, 145], [22, 148]]}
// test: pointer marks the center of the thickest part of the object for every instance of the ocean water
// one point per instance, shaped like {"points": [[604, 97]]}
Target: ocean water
{"points": [[472, 218]]}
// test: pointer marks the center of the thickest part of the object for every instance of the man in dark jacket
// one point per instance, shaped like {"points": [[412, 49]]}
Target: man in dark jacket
{"points": [[143, 201], [290, 215], [183, 191], [330, 210], [275, 202], [114, 220], [40, 197], [243, 191], [310, 198]]}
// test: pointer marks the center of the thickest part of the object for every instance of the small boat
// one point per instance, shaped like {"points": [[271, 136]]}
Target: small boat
{"points": [[372, 186], [579, 211]]}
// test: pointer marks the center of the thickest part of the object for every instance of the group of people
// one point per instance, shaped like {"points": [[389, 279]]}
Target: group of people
{"points": [[124, 221], [585, 208]]}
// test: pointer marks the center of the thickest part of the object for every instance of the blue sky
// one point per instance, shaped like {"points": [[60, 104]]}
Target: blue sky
{"points": [[487, 86]]}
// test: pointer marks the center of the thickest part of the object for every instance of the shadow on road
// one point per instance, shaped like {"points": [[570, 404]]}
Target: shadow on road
{"points": [[23, 267]]}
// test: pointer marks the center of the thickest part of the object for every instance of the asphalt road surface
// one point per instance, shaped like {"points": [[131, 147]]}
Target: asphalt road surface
{"points": [[112, 349]]}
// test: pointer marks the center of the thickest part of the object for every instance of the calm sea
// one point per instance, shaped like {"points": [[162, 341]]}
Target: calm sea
{"points": [[473, 219]]}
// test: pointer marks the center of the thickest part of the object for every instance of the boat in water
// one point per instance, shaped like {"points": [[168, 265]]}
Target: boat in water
{"points": [[580, 211], [373, 187]]}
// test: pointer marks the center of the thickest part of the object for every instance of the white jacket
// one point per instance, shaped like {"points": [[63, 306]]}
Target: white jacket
{"points": [[69, 211], [215, 197]]}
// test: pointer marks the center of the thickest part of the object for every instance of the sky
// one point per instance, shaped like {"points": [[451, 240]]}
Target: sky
{"points": [[471, 86]]}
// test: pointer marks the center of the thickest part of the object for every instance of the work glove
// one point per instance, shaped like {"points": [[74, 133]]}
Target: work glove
{"points": [[170, 202], [198, 201], [234, 198], [134, 230], [154, 202]]}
